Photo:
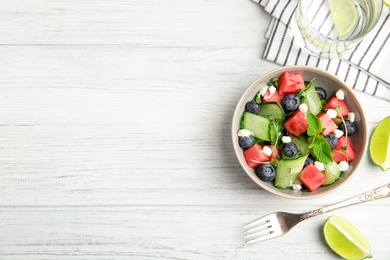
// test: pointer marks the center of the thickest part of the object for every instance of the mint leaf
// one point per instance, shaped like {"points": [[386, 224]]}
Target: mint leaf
{"points": [[318, 144], [311, 140], [273, 82], [314, 125], [258, 97], [322, 149]]}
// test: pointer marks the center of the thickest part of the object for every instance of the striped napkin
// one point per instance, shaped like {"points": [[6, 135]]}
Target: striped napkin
{"points": [[360, 68]]}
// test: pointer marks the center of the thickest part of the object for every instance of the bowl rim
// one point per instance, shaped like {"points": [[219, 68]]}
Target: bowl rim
{"points": [[277, 191]]}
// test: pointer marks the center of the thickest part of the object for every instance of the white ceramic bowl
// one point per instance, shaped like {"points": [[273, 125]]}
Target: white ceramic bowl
{"points": [[331, 84]]}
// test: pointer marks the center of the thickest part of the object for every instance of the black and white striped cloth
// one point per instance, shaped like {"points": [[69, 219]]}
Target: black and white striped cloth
{"points": [[359, 69]]}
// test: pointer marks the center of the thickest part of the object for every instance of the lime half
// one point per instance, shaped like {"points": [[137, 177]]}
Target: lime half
{"points": [[345, 16], [345, 240], [380, 144]]}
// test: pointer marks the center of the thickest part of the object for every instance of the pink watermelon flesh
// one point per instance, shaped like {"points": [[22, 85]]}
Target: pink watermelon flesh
{"points": [[327, 123], [296, 124], [311, 177], [254, 156], [334, 103], [344, 150], [290, 82], [275, 97]]}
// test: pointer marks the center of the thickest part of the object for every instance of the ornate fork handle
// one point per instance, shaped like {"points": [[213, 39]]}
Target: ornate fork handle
{"points": [[375, 194]]}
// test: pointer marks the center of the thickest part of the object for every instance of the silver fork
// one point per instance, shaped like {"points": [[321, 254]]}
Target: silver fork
{"points": [[279, 223]]}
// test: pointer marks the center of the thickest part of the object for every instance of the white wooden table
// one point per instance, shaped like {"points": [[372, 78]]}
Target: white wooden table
{"points": [[115, 135]]}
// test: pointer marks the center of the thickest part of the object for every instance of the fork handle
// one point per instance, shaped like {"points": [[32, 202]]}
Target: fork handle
{"points": [[375, 194]]}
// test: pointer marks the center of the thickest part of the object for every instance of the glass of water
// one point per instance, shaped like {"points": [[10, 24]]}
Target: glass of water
{"points": [[328, 28]]}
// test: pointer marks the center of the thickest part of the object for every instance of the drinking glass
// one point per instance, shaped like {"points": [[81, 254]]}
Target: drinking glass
{"points": [[329, 28]]}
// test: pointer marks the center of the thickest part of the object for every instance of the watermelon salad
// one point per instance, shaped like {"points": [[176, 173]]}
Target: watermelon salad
{"points": [[296, 135]]}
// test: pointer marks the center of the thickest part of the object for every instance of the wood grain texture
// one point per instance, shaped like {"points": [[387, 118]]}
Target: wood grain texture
{"points": [[115, 135], [144, 233], [141, 23]]}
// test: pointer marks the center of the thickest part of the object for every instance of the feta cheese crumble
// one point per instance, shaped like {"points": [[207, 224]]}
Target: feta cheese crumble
{"points": [[340, 94], [267, 151], [286, 139], [331, 113], [338, 133], [319, 165], [303, 108], [343, 166], [351, 117], [297, 186], [244, 132], [264, 90], [272, 89]]}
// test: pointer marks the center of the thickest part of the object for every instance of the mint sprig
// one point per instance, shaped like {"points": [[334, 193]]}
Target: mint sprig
{"points": [[315, 125], [321, 147]]}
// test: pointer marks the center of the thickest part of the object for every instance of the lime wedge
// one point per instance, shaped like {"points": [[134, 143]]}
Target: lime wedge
{"points": [[345, 240], [380, 144], [345, 16], [387, 2]]}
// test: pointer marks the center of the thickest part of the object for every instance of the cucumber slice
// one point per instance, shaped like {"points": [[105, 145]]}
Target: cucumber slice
{"points": [[287, 171], [312, 100], [303, 147], [275, 113], [258, 125], [332, 173], [272, 110]]}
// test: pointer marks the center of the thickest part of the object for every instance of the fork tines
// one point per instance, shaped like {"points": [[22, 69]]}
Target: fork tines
{"points": [[260, 229]]}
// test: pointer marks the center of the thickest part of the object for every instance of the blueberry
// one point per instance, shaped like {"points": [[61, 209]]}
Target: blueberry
{"points": [[252, 107], [246, 141], [332, 140], [309, 160], [290, 102], [266, 172], [290, 149], [350, 126], [321, 93]]}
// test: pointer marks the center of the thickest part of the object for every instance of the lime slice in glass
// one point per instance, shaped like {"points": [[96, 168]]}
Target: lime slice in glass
{"points": [[345, 16], [387, 2], [345, 240], [380, 144]]}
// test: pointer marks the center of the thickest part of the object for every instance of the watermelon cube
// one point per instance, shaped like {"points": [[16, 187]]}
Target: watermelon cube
{"points": [[311, 177], [297, 123], [275, 153], [289, 83], [344, 150], [334, 102], [254, 156], [274, 97], [327, 123]]}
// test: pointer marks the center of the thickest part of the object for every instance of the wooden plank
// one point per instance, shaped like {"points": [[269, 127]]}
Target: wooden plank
{"points": [[144, 233], [104, 85], [137, 23]]}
